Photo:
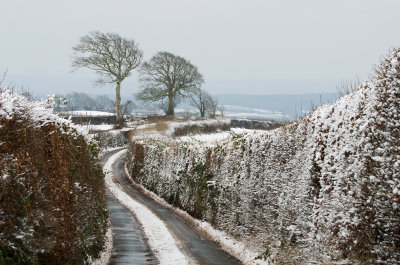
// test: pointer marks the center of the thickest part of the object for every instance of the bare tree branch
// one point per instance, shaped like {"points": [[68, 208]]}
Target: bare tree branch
{"points": [[3, 78], [346, 88]]}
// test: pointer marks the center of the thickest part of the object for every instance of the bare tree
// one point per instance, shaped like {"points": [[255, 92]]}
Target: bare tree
{"points": [[2, 79], [212, 107], [221, 109], [346, 88], [204, 102], [104, 103], [111, 56], [166, 78], [80, 101], [127, 107]]}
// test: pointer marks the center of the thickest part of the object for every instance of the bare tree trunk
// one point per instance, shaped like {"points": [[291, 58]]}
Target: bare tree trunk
{"points": [[171, 106], [202, 110], [119, 120]]}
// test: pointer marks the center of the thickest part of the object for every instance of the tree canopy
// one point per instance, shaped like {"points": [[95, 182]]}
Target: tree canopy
{"points": [[166, 78]]}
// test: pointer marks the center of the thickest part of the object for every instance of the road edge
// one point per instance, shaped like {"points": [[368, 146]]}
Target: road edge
{"points": [[106, 253]]}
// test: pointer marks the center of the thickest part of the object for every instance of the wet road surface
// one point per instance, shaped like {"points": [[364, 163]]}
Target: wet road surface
{"points": [[129, 244], [203, 250]]}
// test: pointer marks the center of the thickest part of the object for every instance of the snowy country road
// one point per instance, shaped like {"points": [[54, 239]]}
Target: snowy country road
{"points": [[129, 243], [172, 240]]}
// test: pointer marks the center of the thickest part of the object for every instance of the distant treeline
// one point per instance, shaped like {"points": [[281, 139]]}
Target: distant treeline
{"points": [[82, 101]]}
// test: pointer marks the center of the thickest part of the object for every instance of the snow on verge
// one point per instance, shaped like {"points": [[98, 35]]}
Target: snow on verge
{"points": [[162, 243], [105, 255]]}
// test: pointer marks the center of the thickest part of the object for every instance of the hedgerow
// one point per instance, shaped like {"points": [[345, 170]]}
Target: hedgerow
{"points": [[52, 198], [322, 190]]}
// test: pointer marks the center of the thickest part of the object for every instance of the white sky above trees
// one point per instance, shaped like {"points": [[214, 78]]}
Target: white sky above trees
{"points": [[247, 46]]}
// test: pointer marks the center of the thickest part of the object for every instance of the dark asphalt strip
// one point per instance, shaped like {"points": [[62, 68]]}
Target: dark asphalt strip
{"points": [[129, 246], [198, 247]]}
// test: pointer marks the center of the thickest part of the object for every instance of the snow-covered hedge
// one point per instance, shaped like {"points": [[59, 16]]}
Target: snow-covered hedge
{"points": [[322, 190], [52, 198], [111, 139], [355, 147]]}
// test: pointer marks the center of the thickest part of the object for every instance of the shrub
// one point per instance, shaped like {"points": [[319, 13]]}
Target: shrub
{"points": [[109, 139], [199, 128]]}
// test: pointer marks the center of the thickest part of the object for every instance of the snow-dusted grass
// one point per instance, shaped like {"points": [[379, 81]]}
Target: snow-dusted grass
{"points": [[213, 139], [205, 138], [174, 125], [161, 241], [170, 128]]}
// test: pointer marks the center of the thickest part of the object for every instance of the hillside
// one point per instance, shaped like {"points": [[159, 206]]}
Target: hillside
{"points": [[52, 194], [323, 190]]}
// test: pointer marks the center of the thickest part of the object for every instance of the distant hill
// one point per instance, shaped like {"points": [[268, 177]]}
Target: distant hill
{"points": [[272, 106]]}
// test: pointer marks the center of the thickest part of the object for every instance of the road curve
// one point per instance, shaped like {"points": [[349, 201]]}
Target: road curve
{"points": [[195, 245], [129, 243]]}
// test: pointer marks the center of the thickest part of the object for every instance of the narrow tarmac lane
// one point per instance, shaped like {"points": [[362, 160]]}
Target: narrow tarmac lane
{"points": [[129, 244], [201, 249]]}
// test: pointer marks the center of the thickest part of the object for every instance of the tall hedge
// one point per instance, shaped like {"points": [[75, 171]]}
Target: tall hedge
{"points": [[52, 199]]}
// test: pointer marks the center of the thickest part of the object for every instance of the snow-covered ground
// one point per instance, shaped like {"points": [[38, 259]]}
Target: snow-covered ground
{"points": [[168, 128], [88, 113], [205, 138], [100, 127], [212, 139]]}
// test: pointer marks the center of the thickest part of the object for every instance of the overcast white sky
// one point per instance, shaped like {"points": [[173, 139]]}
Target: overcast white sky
{"points": [[247, 46]]}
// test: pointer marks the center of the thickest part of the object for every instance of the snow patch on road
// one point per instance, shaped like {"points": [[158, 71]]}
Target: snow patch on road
{"points": [[162, 243]]}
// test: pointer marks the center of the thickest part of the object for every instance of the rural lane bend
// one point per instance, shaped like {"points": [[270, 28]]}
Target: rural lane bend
{"points": [[129, 243], [195, 245]]}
